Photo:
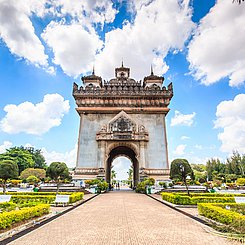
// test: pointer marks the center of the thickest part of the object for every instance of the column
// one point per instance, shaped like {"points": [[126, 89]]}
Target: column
{"points": [[142, 154], [78, 143], [166, 142]]}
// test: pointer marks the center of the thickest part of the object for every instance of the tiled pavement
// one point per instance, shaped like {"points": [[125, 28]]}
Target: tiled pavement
{"points": [[122, 217]]}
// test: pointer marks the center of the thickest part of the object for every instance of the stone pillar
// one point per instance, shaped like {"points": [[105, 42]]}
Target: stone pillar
{"points": [[166, 142], [101, 153], [142, 155], [101, 159], [78, 142]]}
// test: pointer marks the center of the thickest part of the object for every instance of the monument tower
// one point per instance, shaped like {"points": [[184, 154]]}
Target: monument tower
{"points": [[122, 117]]}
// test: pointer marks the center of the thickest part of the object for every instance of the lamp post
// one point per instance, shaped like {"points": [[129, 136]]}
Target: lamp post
{"points": [[183, 175]]}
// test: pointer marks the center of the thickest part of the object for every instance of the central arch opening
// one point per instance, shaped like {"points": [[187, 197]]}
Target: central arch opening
{"points": [[125, 152], [121, 171]]}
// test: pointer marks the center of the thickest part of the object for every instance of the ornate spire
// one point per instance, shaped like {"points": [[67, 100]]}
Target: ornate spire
{"points": [[93, 71], [152, 73], [122, 62]]}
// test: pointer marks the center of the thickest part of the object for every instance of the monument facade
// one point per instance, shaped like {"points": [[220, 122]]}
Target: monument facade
{"points": [[122, 117]]}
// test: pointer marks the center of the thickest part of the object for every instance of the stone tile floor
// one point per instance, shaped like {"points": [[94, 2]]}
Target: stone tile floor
{"points": [[122, 217]]}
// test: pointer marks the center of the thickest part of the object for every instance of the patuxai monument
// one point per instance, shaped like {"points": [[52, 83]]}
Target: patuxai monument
{"points": [[122, 117]]}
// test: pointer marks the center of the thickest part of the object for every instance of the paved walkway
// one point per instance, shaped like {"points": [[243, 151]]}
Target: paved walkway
{"points": [[125, 218]]}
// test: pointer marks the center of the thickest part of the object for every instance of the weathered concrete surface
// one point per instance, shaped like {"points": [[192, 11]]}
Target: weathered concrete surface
{"points": [[122, 218], [155, 151]]}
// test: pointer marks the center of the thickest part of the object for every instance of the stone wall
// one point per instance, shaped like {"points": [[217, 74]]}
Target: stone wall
{"points": [[155, 150]]}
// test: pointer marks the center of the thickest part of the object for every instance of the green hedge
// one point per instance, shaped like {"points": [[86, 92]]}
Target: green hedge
{"points": [[7, 219], [218, 213], [77, 196], [188, 200], [37, 193], [20, 199], [209, 194], [7, 206]]}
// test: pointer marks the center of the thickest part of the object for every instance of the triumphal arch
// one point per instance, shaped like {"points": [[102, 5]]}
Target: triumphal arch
{"points": [[122, 117]]}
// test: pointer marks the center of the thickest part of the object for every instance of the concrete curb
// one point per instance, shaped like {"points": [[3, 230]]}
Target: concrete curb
{"points": [[41, 223]]}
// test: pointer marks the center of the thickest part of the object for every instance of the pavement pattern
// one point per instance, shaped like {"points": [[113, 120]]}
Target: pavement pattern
{"points": [[125, 218]]}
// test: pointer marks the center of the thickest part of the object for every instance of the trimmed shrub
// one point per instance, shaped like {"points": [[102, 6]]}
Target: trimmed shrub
{"points": [[141, 187], [240, 181], [42, 197], [20, 199], [188, 200], [218, 213], [210, 194], [74, 197], [7, 206], [7, 219], [38, 193]]}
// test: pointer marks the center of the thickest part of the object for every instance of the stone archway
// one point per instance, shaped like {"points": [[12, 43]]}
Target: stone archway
{"points": [[122, 116], [127, 152]]}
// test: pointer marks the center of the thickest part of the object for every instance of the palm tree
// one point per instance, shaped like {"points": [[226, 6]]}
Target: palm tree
{"points": [[113, 174]]}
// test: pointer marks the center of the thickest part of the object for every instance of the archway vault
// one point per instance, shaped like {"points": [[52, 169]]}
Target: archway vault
{"points": [[122, 116], [122, 151]]}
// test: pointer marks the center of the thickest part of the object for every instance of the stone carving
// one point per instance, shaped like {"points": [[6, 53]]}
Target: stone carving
{"points": [[122, 127], [123, 91], [122, 124]]}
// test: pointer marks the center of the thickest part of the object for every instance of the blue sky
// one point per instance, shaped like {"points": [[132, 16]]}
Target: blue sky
{"points": [[46, 45]]}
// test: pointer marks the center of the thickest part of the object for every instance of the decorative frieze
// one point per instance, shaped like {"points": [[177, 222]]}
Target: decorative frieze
{"points": [[122, 127], [122, 91]]}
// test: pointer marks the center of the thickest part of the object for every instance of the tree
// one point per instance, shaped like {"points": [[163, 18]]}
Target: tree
{"points": [[214, 167], [58, 171], [39, 173], [235, 164], [130, 176], [180, 169], [8, 170], [21, 156], [37, 157], [113, 174], [32, 180]]}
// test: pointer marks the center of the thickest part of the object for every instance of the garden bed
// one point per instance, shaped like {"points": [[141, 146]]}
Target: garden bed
{"points": [[13, 217], [229, 214], [48, 197], [195, 198]]}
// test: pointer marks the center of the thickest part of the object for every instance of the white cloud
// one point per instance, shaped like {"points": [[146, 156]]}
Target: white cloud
{"points": [[217, 49], [231, 118], [5, 145], [68, 157], [180, 150], [93, 11], [184, 137], [74, 48], [35, 118], [158, 27], [182, 119], [121, 166], [17, 31]]}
